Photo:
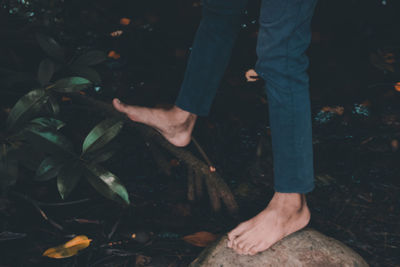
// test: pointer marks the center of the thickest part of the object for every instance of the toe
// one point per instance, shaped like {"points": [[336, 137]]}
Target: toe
{"points": [[240, 245], [253, 251], [229, 243], [261, 247], [237, 231], [240, 241], [246, 248], [118, 105]]}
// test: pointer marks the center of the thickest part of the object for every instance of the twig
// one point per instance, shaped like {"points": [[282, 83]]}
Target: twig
{"points": [[114, 228], [42, 213], [203, 153], [63, 203]]}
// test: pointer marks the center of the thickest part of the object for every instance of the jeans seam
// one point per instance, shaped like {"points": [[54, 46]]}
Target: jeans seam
{"points": [[294, 105]]}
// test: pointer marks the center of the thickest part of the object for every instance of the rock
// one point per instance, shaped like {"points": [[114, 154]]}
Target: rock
{"points": [[307, 248]]}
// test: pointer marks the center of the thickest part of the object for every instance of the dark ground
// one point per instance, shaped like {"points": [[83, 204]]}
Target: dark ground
{"points": [[356, 152]]}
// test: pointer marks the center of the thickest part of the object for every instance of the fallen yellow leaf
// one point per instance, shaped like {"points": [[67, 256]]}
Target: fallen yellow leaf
{"points": [[397, 87], [200, 239], [68, 249]]}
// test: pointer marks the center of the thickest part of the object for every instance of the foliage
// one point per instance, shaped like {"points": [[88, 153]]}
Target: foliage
{"points": [[30, 127], [58, 63]]}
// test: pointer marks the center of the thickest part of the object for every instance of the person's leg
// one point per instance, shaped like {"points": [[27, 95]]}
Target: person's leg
{"points": [[210, 54], [284, 36], [208, 60]]}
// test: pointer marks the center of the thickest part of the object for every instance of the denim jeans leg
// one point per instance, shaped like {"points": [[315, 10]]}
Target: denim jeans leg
{"points": [[210, 54], [284, 35]]}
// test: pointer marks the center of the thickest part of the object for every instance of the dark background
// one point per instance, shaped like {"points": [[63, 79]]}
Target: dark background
{"points": [[356, 162]]}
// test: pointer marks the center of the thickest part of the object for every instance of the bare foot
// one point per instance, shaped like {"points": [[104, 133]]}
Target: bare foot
{"points": [[175, 124], [285, 214]]}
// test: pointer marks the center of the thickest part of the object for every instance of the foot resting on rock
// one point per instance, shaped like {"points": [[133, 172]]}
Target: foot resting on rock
{"points": [[285, 214], [175, 124]]}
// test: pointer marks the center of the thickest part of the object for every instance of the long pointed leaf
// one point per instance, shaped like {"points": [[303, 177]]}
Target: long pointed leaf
{"points": [[46, 71], [50, 46], [50, 141], [48, 123], [104, 153], [48, 169], [91, 58], [5, 236], [107, 184], [71, 84], [53, 106], [103, 156], [68, 178], [8, 171], [101, 134], [86, 72], [26, 107]]}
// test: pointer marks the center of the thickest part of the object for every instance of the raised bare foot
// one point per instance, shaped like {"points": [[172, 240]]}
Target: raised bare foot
{"points": [[175, 124], [285, 214]]}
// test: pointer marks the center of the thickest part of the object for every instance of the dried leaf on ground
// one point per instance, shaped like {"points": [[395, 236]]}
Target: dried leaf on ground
{"points": [[68, 249], [339, 110], [200, 239]]}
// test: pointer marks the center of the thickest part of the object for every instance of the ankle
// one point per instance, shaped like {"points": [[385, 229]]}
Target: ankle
{"points": [[292, 201], [182, 116]]}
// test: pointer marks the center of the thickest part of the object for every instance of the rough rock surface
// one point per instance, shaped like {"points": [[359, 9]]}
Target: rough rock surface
{"points": [[307, 248]]}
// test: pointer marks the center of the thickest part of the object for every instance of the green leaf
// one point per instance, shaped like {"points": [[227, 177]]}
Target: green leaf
{"points": [[53, 106], [107, 184], [26, 107], [27, 156], [48, 123], [101, 156], [68, 178], [86, 72], [8, 171], [46, 71], [50, 46], [48, 169], [71, 84], [101, 134], [50, 141], [91, 58], [104, 153]]}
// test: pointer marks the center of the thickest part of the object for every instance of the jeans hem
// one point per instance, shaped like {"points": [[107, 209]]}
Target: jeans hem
{"points": [[190, 109], [304, 190]]}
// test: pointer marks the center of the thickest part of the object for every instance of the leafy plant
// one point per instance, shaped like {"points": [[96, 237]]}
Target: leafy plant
{"points": [[57, 62], [80, 65], [29, 126], [69, 167]]}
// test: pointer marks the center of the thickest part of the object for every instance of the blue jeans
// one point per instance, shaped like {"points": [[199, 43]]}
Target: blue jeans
{"points": [[284, 35]]}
